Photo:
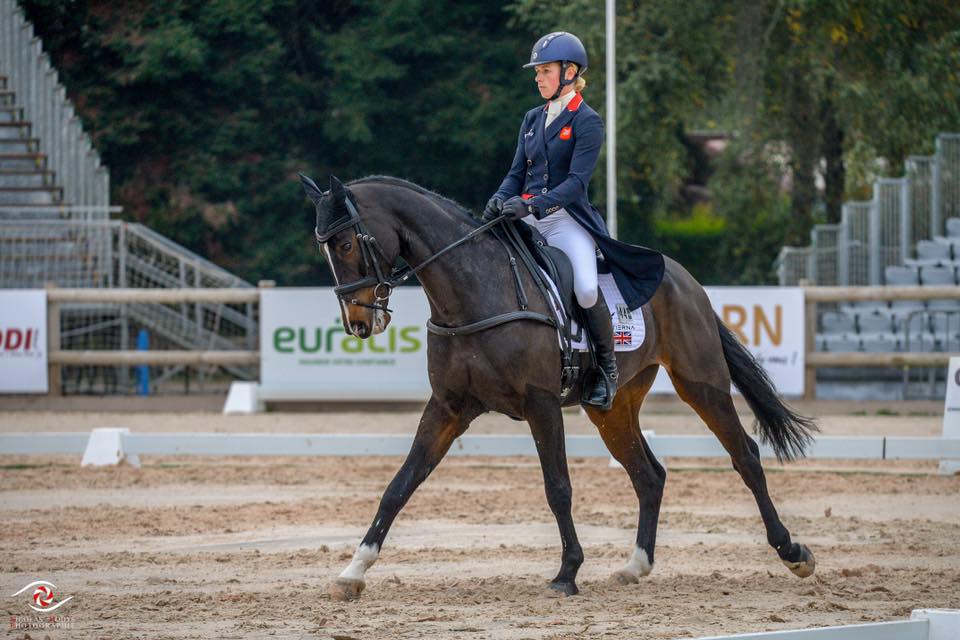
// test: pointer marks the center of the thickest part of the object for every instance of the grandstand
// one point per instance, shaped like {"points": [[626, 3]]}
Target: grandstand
{"points": [[908, 234], [56, 230]]}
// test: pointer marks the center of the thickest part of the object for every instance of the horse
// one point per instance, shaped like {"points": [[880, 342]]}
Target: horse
{"points": [[513, 368]]}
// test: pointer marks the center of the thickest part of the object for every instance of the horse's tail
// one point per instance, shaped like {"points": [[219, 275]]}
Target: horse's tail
{"points": [[781, 427]]}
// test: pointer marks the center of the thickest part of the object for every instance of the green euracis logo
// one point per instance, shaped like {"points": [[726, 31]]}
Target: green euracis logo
{"points": [[329, 339]]}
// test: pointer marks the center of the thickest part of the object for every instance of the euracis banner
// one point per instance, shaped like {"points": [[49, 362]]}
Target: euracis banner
{"points": [[23, 341], [305, 352]]}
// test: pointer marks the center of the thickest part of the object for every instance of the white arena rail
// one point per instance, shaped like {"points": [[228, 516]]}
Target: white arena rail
{"points": [[115, 443], [924, 624]]}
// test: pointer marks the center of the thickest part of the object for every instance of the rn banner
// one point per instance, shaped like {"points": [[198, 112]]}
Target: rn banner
{"points": [[23, 341], [770, 322], [306, 354]]}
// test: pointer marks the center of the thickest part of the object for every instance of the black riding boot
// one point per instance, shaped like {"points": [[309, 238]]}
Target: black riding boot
{"points": [[598, 322]]}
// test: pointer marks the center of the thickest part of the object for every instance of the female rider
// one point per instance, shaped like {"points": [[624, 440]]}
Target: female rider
{"points": [[547, 183]]}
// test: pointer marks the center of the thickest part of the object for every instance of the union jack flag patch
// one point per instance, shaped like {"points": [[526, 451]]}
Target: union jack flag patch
{"points": [[622, 337]]}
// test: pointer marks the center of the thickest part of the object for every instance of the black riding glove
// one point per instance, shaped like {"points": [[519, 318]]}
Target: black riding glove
{"points": [[492, 210], [516, 208]]}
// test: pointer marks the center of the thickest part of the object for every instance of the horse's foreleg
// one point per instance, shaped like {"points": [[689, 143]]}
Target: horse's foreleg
{"points": [[546, 424], [439, 426]]}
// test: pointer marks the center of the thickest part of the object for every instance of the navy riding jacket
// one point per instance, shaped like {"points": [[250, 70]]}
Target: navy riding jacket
{"points": [[552, 168]]}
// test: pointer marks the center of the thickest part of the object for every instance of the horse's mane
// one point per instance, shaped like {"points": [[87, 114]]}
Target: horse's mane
{"points": [[445, 203]]}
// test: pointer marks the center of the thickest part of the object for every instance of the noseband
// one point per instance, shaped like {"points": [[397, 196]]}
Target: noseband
{"points": [[370, 250]]}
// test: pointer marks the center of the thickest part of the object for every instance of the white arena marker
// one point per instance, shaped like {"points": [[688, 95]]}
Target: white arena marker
{"points": [[243, 398], [105, 447], [944, 623], [951, 413]]}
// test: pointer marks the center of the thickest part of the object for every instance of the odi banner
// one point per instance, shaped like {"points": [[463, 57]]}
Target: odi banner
{"points": [[306, 354], [23, 341]]}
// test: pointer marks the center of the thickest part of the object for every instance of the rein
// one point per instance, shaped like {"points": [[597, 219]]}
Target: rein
{"points": [[370, 248], [383, 285]]}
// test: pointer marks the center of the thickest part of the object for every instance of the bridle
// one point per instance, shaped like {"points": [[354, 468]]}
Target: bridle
{"points": [[371, 251]]}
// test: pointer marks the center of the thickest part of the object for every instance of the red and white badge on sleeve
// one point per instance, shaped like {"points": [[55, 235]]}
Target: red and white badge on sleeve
{"points": [[565, 133]]}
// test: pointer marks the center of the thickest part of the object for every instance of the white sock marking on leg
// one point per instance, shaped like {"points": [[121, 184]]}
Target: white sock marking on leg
{"points": [[639, 564], [363, 558]]}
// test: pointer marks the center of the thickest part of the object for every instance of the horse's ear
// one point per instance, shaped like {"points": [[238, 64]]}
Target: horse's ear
{"points": [[337, 189], [310, 188]]}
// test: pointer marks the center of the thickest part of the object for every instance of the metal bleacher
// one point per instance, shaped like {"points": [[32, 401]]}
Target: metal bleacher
{"points": [[56, 230]]}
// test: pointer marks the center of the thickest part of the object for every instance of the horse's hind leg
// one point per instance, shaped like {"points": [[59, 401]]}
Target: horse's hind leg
{"points": [[716, 408], [620, 430], [546, 424], [439, 426]]}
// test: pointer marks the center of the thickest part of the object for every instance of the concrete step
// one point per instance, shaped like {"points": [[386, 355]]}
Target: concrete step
{"points": [[14, 196], [26, 178], [23, 161], [19, 145], [14, 129]]}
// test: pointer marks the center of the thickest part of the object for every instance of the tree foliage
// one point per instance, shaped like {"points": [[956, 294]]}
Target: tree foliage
{"points": [[205, 111]]}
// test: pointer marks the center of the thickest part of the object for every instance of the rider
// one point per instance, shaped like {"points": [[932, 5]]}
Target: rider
{"points": [[547, 186]]}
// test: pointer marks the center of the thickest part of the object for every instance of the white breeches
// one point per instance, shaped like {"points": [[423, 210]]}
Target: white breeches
{"points": [[566, 234]]}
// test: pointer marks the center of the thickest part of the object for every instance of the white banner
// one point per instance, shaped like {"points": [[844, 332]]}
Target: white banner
{"points": [[306, 354], [23, 341], [770, 322]]}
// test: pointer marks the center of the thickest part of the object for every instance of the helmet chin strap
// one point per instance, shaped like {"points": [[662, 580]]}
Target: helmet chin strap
{"points": [[563, 80]]}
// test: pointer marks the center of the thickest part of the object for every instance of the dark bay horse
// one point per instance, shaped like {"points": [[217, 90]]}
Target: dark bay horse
{"points": [[514, 368]]}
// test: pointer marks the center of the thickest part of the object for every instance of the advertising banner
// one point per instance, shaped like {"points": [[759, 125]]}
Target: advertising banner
{"points": [[23, 341], [306, 354], [770, 322]]}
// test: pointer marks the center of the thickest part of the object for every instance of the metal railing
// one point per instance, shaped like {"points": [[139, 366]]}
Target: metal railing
{"points": [[68, 150], [104, 255]]}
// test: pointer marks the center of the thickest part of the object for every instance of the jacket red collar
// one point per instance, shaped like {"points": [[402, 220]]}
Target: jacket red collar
{"points": [[573, 105]]}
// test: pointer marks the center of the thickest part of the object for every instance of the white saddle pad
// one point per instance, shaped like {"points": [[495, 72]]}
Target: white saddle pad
{"points": [[628, 326]]}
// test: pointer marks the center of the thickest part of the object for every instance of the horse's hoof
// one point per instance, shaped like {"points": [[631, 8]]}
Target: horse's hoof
{"points": [[806, 566], [346, 589], [566, 588], [625, 577]]}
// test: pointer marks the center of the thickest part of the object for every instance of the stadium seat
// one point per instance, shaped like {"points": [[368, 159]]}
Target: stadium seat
{"points": [[911, 322], [880, 342], [953, 227], [931, 250], [841, 343], [874, 322], [940, 277], [945, 323], [837, 322], [953, 243], [898, 276], [918, 342]]}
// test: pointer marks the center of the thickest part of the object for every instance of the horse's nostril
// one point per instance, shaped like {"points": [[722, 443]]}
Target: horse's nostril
{"points": [[359, 329]]}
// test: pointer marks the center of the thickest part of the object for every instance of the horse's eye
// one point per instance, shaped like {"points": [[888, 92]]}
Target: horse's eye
{"points": [[346, 246]]}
